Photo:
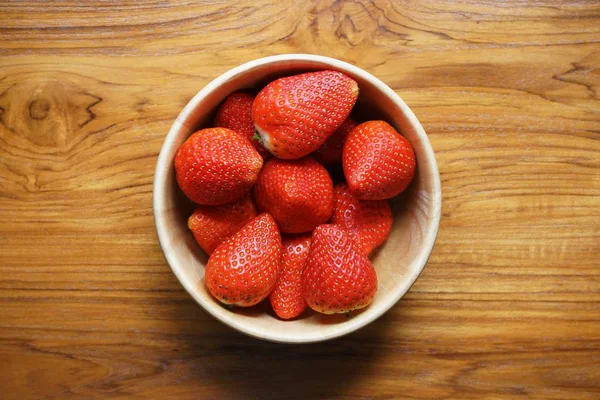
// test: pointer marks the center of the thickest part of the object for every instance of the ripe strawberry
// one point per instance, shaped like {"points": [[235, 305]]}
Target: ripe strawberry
{"points": [[331, 151], [295, 115], [235, 113], [368, 222], [212, 225], [244, 269], [378, 162], [338, 277], [298, 193], [216, 166], [286, 299]]}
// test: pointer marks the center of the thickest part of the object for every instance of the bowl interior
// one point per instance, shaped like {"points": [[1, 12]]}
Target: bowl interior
{"points": [[398, 262]]}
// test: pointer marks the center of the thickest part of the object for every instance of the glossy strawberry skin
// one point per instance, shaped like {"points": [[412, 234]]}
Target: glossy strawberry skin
{"points": [[368, 222], [295, 115], [216, 166], [286, 299], [331, 151], [378, 162], [212, 225], [338, 277], [235, 113], [298, 193], [244, 269]]}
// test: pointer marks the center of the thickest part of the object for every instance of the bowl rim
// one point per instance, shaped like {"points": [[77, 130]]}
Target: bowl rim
{"points": [[160, 178]]}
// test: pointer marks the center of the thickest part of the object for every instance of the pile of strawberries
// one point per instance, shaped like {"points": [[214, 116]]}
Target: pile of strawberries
{"points": [[267, 211]]}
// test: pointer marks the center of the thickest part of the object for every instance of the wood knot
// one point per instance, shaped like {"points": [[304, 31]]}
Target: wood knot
{"points": [[38, 109], [47, 112]]}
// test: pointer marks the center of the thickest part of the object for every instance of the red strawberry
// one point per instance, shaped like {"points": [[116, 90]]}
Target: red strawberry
{"points": [[244, 269], [298, 193], [212, 225], [286, 299], [295, 115], [331, 151], [338, 277], [216, 166], [378, 162], [367, 222], [235, 113]]}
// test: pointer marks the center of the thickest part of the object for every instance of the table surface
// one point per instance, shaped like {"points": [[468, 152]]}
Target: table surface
{"points": [[508, 305]]}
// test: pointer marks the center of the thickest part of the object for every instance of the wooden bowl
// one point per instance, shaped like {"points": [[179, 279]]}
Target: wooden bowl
{"points": [[399, 261]]}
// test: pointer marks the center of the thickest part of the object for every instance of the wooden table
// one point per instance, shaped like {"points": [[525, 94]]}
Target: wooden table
{"points": [[508, 305]]}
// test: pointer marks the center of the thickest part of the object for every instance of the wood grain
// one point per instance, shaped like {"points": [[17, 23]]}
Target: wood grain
{"points": [[509, 303]]}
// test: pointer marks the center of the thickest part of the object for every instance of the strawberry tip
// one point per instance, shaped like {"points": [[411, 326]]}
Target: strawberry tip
{"points": [[355, 89]]}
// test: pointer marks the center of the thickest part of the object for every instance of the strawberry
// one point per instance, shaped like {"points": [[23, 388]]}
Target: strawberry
{"points": [[338, 277], [235, 113], [295, 115], [298, 193], [331, 151], [244, 269], [378, 162], [368, 222], [212, 225], [216, 166], [286, 299]]}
